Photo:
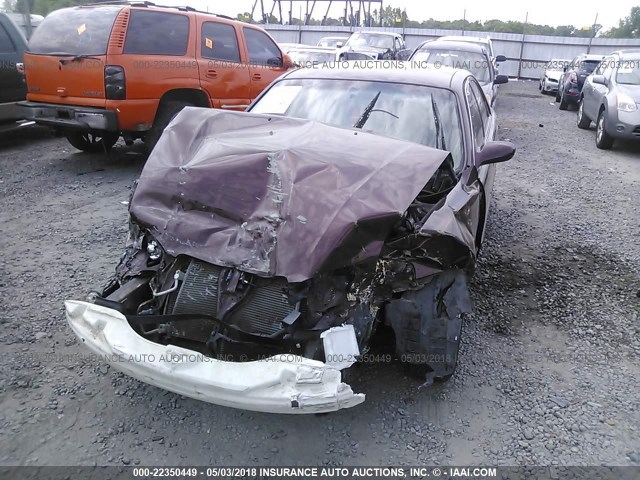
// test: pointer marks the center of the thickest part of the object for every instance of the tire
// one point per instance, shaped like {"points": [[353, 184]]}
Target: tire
{"points": [[167, 112], [583, 121], [604, 141], [542, 90], [563, 102], [92, 142]]}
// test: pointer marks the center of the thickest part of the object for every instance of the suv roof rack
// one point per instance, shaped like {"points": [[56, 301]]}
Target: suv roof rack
{"points": [[134, 3]]}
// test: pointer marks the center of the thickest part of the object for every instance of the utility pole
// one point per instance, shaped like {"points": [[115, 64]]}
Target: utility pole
{"points": [[593, 34], [464, 20]]}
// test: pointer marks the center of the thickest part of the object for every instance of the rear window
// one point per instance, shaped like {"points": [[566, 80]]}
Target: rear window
{"points": [[589, 66], [157, 33], [74, 31]]}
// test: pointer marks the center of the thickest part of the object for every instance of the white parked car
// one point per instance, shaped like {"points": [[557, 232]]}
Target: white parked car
{"points": [[551, 74], [332, 42]]}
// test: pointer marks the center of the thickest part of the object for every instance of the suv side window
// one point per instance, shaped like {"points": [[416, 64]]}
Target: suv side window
{"points": [[219, 42], [476, 115], [398, 44], [262, 50], [157, 33], [6, 45]]}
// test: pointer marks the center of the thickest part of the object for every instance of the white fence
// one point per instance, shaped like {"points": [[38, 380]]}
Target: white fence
{"points": [[525, 53]]}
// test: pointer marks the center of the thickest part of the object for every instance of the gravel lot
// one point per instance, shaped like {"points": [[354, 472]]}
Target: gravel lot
{"points": [[548, 371]]}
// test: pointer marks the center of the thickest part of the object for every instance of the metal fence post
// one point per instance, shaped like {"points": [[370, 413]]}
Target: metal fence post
{"points": [[524, 28]]}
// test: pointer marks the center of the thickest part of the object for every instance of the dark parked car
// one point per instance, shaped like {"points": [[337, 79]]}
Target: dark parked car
{"points": [[611, 98], [267, 247], [468, 56], [12, 85], [571, 81]]}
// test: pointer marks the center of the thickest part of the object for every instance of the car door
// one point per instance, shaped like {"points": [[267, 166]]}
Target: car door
{"points": [[483, 126], [12, 86], [590, 93], [223, 73], [266, 61]]}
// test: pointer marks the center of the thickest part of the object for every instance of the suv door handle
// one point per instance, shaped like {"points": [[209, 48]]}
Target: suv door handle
{"points": [[256, 76], [212, 73]]}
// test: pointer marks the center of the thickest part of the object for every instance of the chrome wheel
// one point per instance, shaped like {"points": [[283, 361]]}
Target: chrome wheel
{"points": [[600, 128]]}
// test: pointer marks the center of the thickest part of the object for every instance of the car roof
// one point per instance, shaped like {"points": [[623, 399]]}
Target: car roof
{"points": [[312, 49], [461, 38], [451, 45], [383, 71], [378, 33], [334, 36], [590, 56], [629, 54]]}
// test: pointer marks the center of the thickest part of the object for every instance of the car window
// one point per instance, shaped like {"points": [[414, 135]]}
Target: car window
{"points": [[262, 50], [628, 72], [405, 112], [74, 31], [485, 110], [6, 45], [219, 42], [157, 33], [608, 64], [476, 115], [600, 68], [476, 63]]}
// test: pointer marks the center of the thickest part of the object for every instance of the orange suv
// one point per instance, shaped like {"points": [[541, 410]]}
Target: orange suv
{"points": [[103, 71]]}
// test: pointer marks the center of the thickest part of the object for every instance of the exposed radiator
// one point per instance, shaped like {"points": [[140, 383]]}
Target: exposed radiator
{"points": [[261, 311]]}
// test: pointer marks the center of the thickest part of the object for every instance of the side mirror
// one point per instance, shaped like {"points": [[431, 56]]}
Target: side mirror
{"points": [[501, 58], [495, 152], [564, 69], [599, 79], [500, 79], [339, 45], [287, 62], [275, 62]]}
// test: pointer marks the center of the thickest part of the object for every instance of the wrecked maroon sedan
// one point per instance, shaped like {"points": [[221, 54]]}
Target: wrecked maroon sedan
{"points": [[266, 247]]}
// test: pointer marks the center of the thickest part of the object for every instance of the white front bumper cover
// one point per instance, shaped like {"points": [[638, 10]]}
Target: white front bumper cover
{"points": [[280, 384]]}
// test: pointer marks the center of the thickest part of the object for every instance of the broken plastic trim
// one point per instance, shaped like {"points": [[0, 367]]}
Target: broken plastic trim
{"points": [[279, 384]]}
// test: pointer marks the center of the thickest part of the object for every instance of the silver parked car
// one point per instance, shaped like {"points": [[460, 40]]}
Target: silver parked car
{"points": [[551, 73], [611, 97]]}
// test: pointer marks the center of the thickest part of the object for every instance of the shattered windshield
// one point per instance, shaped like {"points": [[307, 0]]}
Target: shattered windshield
{"points": [[370, 40], [476, 63], [414, 113]]}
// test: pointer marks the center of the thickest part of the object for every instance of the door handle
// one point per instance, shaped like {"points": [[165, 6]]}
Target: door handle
{"points": [[212, 73], [256, 76]]}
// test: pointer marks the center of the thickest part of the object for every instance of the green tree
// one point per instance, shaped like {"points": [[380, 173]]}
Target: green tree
{"points": [[628, 27]]}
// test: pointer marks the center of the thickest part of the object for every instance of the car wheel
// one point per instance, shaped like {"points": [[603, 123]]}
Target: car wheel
{"points": [[92, 142], [583, 120], [604, 141], [540, 87], [563, 102], [543, 86], [167, 113]]}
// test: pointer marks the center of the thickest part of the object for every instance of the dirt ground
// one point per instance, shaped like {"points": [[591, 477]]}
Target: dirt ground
{"points": [[549, 367]]}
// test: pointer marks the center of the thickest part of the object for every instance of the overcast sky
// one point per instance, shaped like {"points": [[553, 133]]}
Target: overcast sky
{"points": [[556, 12]]}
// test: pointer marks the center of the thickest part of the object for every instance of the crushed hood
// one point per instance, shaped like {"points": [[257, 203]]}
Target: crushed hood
{"points": [[276, 196]]}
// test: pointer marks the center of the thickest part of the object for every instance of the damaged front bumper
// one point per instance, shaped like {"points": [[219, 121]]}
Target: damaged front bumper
{"points": [[280, 384]]}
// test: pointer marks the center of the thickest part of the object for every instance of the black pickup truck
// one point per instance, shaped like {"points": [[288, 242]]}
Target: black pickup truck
{"points": [[12, 84]]}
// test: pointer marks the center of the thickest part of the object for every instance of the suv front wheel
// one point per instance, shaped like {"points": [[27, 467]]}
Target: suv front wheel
{"points": [[604, 141], [92, 142]]}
